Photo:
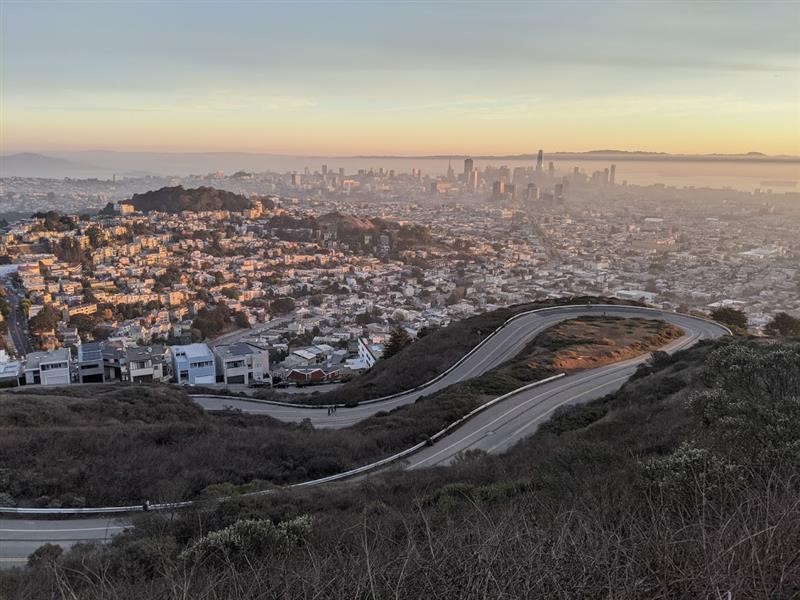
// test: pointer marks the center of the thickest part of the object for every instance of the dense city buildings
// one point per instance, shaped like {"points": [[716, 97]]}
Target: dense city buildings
{"points": [[220, 269]]}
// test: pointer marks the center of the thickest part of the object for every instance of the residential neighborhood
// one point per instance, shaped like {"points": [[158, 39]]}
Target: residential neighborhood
{"points": [[301, 278]]}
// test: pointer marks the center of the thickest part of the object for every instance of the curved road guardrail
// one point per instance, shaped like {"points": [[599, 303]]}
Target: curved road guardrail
{"points": [[330, 478], [463, 359], [572, 311]]}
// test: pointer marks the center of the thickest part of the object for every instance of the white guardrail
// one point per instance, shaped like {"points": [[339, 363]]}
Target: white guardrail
{"points": [[459, 361], [338, 477], [377, 464]]}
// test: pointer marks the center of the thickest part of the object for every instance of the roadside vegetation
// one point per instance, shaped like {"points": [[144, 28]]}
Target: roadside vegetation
{"points": [[429, 356], [684, 484], [104, 445]]}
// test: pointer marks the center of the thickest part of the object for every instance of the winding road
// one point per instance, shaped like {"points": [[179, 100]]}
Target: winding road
{"points": [[494, 429]]}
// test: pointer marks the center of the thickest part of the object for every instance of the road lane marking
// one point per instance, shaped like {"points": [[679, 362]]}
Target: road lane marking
{"points": [[675, 345], [560, 404], [548, 393], [64, 530]]}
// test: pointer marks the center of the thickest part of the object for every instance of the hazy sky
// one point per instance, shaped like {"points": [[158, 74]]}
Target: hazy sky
{"points": [[400, 77]]}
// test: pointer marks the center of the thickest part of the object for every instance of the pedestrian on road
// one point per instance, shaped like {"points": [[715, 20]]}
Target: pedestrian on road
{"points": [[329, 411]]}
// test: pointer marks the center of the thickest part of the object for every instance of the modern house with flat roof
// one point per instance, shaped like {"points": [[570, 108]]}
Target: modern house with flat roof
{"points": [[91, 368], [145, 364], [243, 363], [10, 370], [193, 364], [48, 368], [368, 352]]}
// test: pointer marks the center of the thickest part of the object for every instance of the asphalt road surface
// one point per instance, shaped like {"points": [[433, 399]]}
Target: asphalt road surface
{"points": [[500, 348], [494, 430], [17, 323], [19, 538]]}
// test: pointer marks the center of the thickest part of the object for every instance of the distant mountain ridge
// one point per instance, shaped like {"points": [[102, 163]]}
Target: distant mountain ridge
{"points": [[621, 155], [31, 164], [104, 165]]}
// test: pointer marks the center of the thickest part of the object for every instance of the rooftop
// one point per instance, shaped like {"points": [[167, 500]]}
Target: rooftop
{"points": [[193, 351], [238, 349], [34, 359]]}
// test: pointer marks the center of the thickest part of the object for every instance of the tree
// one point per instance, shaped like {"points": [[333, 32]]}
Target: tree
{"points": [[25, 307], [364, 318], [45, 555], [45, 320], [95, 236], [231, 293], [783, 325], [84, 323], [282, 306], [733, 318], [399, 340], [241, 320]]}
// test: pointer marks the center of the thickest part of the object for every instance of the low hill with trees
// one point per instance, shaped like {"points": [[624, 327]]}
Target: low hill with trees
{"points": [[177, 199]]}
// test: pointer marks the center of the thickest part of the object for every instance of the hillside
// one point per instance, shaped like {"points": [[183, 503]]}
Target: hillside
{"points": [[433, 354], [177, 199], [117, 444], [683, 484]]}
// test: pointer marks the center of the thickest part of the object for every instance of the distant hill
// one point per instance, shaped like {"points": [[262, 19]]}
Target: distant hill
{"points": [[29, 164], [177, 199], [608, 154], [345, 224]]}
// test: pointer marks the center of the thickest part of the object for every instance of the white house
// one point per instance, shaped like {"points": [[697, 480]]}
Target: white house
{"points": [[242, 363], [193, 364], [369, 353], [10, 370], [145, 364], [48, 368]]}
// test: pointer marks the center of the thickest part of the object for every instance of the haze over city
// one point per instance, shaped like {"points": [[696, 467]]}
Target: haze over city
{"points": [[399, 299], [344, 78]]}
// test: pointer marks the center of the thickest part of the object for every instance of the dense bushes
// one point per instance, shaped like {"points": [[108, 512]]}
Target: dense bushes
{"points": [[644, 497], [126, 444]]}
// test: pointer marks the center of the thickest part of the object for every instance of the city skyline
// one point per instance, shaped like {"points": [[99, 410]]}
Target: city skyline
{"points": [[401, 79]]}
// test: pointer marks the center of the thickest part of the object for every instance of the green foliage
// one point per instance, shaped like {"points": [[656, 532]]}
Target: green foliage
{"points": [[45, 555], [574, 417], [689, 473], [45, 320], [433, 353], [282, 306], [241, 320], [69, 249], [783, 325], [177, 199], [248, 539], [55, 222], [733, 318], [231, 293], [450, 496], [752, 407], [84, 323], [144, 556], [657, 361], [645, 503], [398, 340], [211, 322]]}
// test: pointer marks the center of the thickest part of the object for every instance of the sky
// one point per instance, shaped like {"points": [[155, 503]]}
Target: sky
{"points": [[413, 78]]}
